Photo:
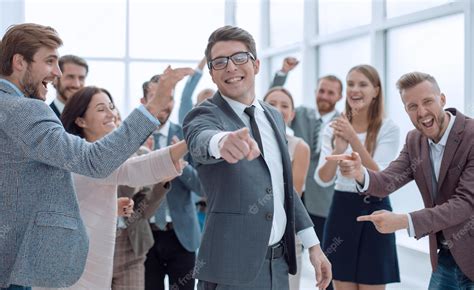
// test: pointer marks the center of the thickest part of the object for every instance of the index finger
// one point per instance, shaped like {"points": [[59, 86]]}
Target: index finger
{"points": [[339, 157], [364, 218]]}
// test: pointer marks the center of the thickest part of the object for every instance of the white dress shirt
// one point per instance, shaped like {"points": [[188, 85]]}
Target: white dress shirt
{"points": [[273, 159], [386, 149]]}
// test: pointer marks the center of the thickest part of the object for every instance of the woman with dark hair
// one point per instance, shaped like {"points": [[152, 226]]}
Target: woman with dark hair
{"points": [[91, 114], [365, 259], [282, 100]]}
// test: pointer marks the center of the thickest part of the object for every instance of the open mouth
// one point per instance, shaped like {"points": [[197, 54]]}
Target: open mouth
{"points": [[233, 80], [427, 123], [357, 98]]}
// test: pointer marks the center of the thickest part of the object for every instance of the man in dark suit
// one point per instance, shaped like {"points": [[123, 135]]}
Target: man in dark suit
{"points": [[254, 212], [175, 226], [308, 124], [438, 155], [74, 72]]}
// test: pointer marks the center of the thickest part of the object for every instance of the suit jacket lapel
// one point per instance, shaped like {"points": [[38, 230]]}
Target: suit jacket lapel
{"points": [[227, 109], [454, 139]]}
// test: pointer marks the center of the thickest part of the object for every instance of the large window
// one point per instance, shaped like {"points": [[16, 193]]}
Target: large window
{"points": [[127, 41]]}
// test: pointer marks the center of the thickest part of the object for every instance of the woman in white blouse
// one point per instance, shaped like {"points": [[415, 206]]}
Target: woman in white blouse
{"points": [[361, 257], [91, 114]]}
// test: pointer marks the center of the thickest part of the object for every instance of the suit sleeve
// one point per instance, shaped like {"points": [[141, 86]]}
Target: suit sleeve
{"points": [[279, 79], [457, 209], [186, 104], [199, 126], [40, 136]]}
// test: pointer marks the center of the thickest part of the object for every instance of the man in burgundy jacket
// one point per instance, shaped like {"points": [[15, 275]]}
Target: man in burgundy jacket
{"points": [[439, 156]]}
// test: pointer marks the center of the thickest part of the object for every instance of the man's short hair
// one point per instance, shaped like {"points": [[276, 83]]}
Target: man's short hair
{"points": [[153, 79], [69, 58], [411, 79], [332, 78], [25, 39], [228, 33]]}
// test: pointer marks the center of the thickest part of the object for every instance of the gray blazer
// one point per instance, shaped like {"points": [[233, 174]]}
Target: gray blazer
{"points": [[180, 204], [240, 199], [305, 125], [43, 241]]}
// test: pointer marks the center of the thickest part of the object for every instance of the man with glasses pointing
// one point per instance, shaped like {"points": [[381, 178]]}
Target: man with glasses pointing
{"points": [[239, 147]]}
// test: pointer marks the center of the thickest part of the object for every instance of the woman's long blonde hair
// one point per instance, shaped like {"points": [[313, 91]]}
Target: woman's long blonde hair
{"points": [[376, 108]]}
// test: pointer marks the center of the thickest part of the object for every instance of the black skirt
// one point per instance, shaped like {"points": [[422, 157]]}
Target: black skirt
{"points": [[357, 251]]}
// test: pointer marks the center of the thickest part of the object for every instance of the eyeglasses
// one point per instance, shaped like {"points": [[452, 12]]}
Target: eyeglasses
{"points": [[237, 58]]}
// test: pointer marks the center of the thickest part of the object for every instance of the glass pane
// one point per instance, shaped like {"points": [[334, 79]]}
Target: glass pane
{"points": [[247, 16], [81, 27], [443, 57], [173, 29], [343, 14], [143, 71], [285, 28], [402, 7], [338, 58], [294, 81], [109, 75]]}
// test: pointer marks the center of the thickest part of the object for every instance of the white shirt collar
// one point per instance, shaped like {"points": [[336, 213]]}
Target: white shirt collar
{"points": [[59, 105], [444, 139], [328, 116], [239, 107]]}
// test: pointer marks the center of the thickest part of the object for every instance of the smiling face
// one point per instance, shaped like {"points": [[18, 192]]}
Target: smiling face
{"points": [[234, 81], [35, 76], [99, 119], [282, 103], [360, 91], [327, 95], [424, 105], [73, 78]]}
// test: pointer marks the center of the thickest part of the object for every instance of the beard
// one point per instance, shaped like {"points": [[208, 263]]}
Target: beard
{"points": [[30, 87], [325, 107]]}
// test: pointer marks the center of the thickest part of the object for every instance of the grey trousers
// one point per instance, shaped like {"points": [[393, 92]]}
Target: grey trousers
{"points": [[272, 276]]}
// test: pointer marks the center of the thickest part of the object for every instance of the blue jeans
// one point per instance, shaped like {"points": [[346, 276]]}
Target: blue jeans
{"points": [[16, 287], [448, 276]]}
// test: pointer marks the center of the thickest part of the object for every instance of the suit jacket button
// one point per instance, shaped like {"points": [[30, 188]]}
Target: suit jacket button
{"points": [[269, 216], [269, 190]]}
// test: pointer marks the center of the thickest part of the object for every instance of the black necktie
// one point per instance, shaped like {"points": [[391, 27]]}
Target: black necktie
{"points": [[250, 111]]}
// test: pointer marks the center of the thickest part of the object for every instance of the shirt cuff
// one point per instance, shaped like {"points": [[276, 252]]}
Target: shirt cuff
{"points": [[198, 71], [364, 188], [147, 114], [411, 229], [214, 145], [308, 237]]}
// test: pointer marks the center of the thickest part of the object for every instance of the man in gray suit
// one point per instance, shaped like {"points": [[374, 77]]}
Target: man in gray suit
{"points": [[43, 241], [308, 124], [254, 212], [175, 226]]}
